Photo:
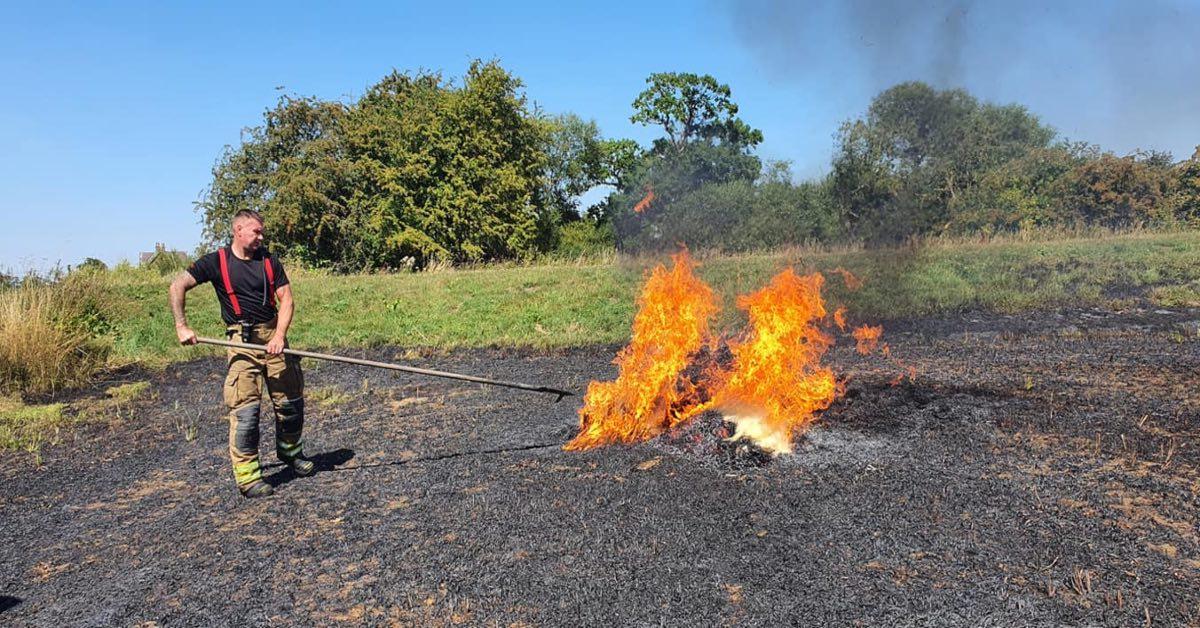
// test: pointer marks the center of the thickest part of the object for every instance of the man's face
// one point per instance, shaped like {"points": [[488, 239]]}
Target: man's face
{"points": [[248, 234]]}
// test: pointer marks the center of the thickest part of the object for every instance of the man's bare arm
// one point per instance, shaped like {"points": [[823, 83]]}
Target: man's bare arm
{"points": [[178, 295], [286, 307]]}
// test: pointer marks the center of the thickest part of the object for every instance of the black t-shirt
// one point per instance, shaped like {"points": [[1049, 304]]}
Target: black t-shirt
{"points": [[249, 281]]}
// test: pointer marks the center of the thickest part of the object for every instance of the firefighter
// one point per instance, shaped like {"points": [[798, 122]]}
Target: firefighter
{"points": [[248, 282]]}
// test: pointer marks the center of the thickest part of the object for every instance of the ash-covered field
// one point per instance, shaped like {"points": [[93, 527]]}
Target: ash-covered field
{"points": [[1039, 470]]}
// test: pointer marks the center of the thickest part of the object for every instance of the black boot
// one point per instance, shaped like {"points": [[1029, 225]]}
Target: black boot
{"points": [[300, 465], [257, 488]]}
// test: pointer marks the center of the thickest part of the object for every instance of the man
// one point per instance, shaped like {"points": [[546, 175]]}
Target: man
{"points": [[248, 282]]}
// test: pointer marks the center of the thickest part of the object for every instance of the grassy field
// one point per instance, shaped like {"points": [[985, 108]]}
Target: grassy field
{"points": [[569, 304], [58, 335]]}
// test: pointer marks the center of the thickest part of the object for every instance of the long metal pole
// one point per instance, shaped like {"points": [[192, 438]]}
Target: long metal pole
{"points": [[393, 367]]}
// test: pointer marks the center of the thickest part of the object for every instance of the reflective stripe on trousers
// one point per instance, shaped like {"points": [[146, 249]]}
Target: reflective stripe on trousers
{"points": [[248, 371]]}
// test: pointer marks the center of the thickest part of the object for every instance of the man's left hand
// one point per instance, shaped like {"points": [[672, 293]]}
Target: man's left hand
{"points": [[275, 344]]}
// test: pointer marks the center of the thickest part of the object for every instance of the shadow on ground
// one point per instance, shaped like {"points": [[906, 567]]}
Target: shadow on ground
{"points": [[325, 462]]}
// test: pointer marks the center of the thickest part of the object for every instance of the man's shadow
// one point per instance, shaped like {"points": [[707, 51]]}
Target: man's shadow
{"points": [[326, 461], [7, 602]]}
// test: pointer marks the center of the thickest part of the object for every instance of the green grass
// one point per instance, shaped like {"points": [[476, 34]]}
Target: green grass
{"points": [[26, 427], [127, 393], [569, 304], [327, 396]]}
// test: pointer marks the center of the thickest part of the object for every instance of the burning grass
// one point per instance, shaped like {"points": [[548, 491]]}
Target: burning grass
{"points": [[771, 387], [776, 383], [652, 393]]}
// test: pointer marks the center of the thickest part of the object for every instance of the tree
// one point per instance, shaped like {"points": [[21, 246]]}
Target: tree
{"points": [[91, 264], [578, 159], [573, 161], [705, 143], [1118, 192], [691, 107], [452, 173], [898, 171], [619, 161], [418, 169], [293, 170], [1187, 189], [865, 187]]}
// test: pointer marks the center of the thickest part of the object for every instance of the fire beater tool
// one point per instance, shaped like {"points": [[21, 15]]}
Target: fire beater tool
{"points": [[394, 367]]}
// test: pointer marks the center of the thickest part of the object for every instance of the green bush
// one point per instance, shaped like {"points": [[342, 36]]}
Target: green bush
{"points": [[1186, 201], [1118, 192], [1020, 194], [584, 237], [741, 216]]}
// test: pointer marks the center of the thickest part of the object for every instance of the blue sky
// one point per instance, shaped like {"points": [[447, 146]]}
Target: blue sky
{"points": [[114, 112]]}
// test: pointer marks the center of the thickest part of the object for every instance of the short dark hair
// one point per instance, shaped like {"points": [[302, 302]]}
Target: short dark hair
{"points": [[246, 213]]}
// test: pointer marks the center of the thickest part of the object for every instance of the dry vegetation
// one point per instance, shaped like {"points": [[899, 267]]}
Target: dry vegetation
{"points": [[49, 334]]}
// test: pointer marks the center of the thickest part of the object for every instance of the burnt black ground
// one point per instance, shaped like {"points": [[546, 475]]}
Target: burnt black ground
{"points": [[1040, 470]]}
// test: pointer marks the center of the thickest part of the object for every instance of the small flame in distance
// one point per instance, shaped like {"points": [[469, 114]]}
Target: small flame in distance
{"points": [[644, 204], [867, 338]]}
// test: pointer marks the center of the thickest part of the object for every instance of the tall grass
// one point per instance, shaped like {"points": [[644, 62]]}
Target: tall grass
{"points": [[50, 333]]}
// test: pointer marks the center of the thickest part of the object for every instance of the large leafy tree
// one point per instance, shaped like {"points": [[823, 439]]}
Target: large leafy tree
{"points": [[704, 143], [691, 107], [418, 169], [291, 169], [898, 171], [451, 173]]}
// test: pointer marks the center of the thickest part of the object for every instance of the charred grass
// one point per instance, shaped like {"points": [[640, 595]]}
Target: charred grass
{"points": [[1038, 470]]}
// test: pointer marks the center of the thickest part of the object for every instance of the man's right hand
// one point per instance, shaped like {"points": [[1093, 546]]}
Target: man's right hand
{"points": [[186, 335]]}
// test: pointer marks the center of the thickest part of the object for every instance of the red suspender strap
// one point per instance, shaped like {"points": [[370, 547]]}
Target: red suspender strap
{"points": [[270, 278], [237, 310]]}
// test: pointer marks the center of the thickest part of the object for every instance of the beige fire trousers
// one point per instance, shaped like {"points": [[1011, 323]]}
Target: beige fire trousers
{"points": [[248, 371]]}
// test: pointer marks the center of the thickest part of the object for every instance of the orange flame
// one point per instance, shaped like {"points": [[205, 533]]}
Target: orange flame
{"points": [[772, 388], [777, 383], [867, 339], [852, 283], [651, 393], [839, 317], [645, 202]]}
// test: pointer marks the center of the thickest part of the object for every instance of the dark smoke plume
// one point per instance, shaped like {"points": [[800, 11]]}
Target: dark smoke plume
{"points": [[1124, 75]]}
